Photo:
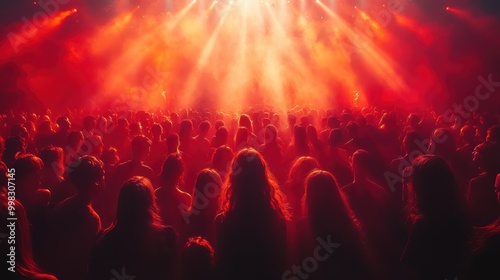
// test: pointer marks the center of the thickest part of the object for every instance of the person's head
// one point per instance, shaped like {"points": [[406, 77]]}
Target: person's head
{"points": [[89, 123], [204, 127], [245, 121], [141, 146], [493, 134], [271, 135], [15, 145], [487, 156], [413, 121], [185, 129], [300, 140], [251, 186], [468, 134], [92, 145], [325, 204], [27, 173], [221, 136], [432, 189], [137, 207], [172, 171], [110, 156], [336, 138], [352, 129], [52, 158], [63, 123], [197, 260], [208, 185], [411, 141], [443, 143], [301, 167], [333, 122], [87, 175], [75, 140], [361, 163], [221, 160], [241, 138], [156, 130], [312, 133], [173, 143]]}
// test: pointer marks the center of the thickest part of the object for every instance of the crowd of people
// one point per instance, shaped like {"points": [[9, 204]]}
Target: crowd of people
{"points": [[205, 195]]}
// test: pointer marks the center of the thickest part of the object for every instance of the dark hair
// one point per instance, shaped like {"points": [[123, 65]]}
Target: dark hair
{"points": [[137, 204], [251, 185], [140, 145], [85, 172], [197, 259], [172, 170]]}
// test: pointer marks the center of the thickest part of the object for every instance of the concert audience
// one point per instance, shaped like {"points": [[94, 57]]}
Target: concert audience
{"points": [[382, 194]]}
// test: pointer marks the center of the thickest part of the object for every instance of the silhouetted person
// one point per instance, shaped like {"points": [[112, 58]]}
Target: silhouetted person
{"points": [[221, 161], [295, 185], [198, 260], [74, 225], [251, 230], [437, 246], [137, 244], [173, 203], [200, 218], [220, 138], [330, 225], [339, 159], [14, 147], [61, 134], [272, 152], [25, 266], [241, 139], [481, 199]]}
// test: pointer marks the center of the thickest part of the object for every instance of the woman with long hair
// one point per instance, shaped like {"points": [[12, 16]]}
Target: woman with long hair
{"points": [[137, 243], [251, 227], [328, 219], [25, 266], [200, 219], [439, 229], [174, 204]]}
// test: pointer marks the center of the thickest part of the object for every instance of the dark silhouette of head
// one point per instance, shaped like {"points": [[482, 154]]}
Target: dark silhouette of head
{"points": [[87, 174], [221, 160], [141, 146], [204, 127], [156, 130], [361, 163], [197, 260], [468, 134], [251, 188], [336, 138], [352, 129], [301, 167], [271, 135], [137, 207], [173, 143], [493, 134], [432, 188], [27, 173], [172, 171], [221, 136], [241, 138], [208, 185], [487, 157], [52, 158], [245, 121]]}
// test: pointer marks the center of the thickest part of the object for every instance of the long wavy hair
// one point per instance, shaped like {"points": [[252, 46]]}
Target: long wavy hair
{"points": [[251, 186], [327, 208], [137, 207]]}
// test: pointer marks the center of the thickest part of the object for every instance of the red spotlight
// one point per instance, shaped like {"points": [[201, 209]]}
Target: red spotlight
{"points": [[75, 10], [447, 8]]}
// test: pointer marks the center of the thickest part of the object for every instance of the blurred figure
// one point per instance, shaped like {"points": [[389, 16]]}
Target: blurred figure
{"points": [[295, 185], [25, 266], [481, 199], [330, 225], [173, 203], [137, 243], [197, 260], [437, 245], [221, 161], [73, 227], [251, 230], [200, 218]]}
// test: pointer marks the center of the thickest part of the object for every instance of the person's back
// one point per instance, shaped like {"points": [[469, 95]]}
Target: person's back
{"points": [[137, 245], [73, 227], [251, 228]]}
